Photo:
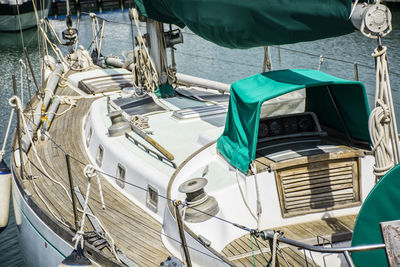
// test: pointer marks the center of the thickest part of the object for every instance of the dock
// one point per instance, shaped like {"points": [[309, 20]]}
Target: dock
{"points": [[58, 8]]}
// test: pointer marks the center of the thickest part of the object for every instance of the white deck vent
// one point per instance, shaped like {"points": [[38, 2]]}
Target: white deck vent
{"points": [[200, 112]]}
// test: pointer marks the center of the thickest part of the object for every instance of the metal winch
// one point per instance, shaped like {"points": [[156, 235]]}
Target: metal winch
{"points": [[200, 206], [119, 126], [372, 20]]}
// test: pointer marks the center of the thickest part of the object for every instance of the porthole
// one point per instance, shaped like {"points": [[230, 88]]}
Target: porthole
{"points": [[86, 120], [99, 156], [88, 137], [152, 198], [120, 179]]}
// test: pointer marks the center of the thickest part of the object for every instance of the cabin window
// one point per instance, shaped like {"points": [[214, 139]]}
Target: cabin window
{"points": [[120, 179], [86, 120], [99, 156], [152, 198], [88, 137]]}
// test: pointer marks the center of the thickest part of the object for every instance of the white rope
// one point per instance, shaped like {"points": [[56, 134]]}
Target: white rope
{"points": [[90, 172], [55, 48], [2, 151], [382, 122], [144, 68], [259, 208], [243, 196], [22, 64], [140, 121], [103, 206], [274, 248], [257, 215]]}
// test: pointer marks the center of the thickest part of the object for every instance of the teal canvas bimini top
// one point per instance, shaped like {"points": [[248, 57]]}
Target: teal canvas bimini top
{"points": [[252, 23], [239, 139]]}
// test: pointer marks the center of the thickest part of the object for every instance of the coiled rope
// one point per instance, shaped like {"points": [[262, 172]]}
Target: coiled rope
{"points": [[382, 121], [144, 71]]}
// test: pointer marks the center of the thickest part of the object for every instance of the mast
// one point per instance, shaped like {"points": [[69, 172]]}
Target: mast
{"points": [[156, 52]]}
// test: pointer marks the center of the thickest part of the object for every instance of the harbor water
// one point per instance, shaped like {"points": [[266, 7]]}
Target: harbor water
{"points": [[200, 58]]}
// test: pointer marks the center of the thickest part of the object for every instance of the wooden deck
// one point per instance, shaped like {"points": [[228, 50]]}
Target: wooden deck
{"points": [[328, 230], [135, 232]]}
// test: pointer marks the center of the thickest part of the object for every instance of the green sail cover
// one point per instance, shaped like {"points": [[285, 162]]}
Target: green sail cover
{"points": [[239, 139], [252, 23], [381, 205]]}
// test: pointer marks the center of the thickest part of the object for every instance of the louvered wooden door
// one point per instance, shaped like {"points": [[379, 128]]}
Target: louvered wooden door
{"points": [[319, 186]]}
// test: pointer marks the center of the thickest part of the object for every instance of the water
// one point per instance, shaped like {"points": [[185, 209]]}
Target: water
{"points": [[201, 58]]}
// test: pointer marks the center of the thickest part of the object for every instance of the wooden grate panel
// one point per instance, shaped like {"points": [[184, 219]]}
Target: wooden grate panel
{"points": [[324, 185]]}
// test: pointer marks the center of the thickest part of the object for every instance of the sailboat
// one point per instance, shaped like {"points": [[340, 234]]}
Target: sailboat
{"points": [[129, 163], [16, 15]]}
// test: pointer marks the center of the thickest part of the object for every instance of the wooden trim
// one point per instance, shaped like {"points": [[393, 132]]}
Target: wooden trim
{"points": [[316, 158]]}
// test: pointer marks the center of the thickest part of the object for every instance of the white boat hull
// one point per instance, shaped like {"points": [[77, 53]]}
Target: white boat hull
{"points": [[40, 245], [9, 21]]}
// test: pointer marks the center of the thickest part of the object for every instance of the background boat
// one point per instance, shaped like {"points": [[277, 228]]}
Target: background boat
{"points": [[9, 10]]}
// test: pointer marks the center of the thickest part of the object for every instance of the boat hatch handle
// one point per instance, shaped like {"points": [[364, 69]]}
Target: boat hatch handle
{"points": [[150, 151], [150, 140]]}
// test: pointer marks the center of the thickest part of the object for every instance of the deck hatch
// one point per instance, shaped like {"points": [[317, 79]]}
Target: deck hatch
{"points": [[106, 83], [324, 185], [137, 105], [200, 112]]}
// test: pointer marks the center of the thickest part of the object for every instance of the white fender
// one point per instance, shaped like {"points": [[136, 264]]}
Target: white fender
{"points": [[5, 190]]}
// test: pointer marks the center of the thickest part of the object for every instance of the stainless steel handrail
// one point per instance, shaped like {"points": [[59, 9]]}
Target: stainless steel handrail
{"points": [[269, 235]]}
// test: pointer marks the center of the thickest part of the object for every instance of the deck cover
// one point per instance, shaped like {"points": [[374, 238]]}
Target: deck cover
{"points": [[381, 205], [244, 24], [239, 139]]}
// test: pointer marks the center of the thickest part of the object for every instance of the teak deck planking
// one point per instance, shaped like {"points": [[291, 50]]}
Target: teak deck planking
{"points": [[332, 229], [135, 232]]}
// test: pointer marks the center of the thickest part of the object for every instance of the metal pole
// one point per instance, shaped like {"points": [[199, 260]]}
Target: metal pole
{"points": [[270, 235], [71, 187], [355, 72], [21, 161], [30, 67], [181, 232], [335, 105], [348, 259]]}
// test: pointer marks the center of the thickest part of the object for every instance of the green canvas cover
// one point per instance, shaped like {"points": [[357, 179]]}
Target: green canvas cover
{"points": [[381, 205], [239, 139], [252, 23]]}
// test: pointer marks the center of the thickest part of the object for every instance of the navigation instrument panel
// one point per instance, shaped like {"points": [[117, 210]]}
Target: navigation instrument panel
{"points": [[291, 125]]}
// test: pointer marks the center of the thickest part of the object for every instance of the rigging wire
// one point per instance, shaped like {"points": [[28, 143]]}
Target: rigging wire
{"points": [[128, 216], [144, 189]]}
